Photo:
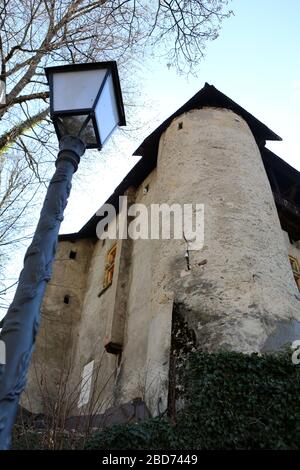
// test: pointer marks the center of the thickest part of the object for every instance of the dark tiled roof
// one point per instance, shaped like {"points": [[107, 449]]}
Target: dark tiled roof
{"points": [[208, 96]]}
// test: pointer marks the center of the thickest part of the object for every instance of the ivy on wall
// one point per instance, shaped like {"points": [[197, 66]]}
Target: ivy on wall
{"points": [[232, 401]]}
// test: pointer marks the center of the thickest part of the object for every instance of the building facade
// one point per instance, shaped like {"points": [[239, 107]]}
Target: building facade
{"points": [[105, 334]]}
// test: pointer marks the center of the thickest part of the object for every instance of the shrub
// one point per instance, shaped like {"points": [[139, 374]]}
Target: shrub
{"points": [[232, 401]]}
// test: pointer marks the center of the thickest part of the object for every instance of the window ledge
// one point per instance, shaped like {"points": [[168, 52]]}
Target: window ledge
{"points": [[104, 289]]}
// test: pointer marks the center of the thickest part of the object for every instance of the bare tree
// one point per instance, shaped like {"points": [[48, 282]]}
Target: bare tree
{"points": [[38, 33], [18, 190]]}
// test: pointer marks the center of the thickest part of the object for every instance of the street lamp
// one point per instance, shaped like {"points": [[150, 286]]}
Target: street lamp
{"points": [[86, 101], [85, 106]]}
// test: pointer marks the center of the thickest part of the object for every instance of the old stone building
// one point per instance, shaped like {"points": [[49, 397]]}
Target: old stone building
{"points": [[107, 316]]}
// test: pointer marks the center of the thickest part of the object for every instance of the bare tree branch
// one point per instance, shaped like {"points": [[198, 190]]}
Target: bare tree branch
{"points": [[38, 33], [10, 136]]}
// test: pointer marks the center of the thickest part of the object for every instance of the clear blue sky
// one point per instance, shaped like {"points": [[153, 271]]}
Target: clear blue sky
{"points": [[255, 61]]}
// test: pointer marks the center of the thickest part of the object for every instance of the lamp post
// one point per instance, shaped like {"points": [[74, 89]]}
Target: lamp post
{"points": [[85, 106]]}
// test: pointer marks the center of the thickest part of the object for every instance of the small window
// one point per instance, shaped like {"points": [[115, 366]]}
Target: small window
{"points": [[109, 266], [296, 269], [72, 254], [66, 299]]}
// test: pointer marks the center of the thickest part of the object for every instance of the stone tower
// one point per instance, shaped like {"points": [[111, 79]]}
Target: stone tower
{"points": [[239, 287]]}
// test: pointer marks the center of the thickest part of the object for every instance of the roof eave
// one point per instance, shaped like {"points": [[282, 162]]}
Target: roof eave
{"points": [[210, 96]]}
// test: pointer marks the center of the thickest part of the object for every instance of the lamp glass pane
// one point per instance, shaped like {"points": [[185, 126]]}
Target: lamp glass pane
{"points": [[71, 125], [76, 90], [106, 110]]}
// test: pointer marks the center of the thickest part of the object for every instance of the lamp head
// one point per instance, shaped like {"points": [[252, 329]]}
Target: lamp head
{"points": [[86, 101]]}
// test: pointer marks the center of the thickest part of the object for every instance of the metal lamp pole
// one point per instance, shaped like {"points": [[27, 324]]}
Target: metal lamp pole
{"points": [[21, 322], [85, 101]]}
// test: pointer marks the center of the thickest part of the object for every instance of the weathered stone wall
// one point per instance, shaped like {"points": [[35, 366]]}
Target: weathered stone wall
{"points": [[118, 378], [145, 360], [92, 334], [240, 284], [57, 335]]}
